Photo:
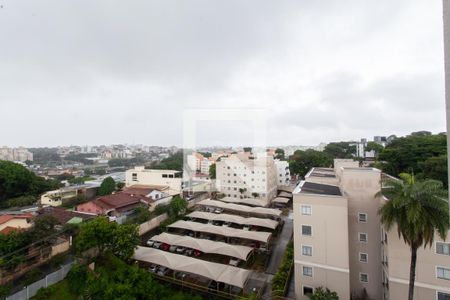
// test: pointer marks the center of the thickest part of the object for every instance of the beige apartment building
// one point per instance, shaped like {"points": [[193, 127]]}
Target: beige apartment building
{"points": [[374, 262], [152, 177], [247, 177]]}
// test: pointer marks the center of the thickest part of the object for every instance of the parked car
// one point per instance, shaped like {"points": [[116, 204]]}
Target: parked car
{"points": [[218, 210], [150, 242], [180, 250], [226, 224], [233, 262], [165, 247], [153, 268], [162, 271], [189, 252], [157, 244], [246, 227], [172, 248]]}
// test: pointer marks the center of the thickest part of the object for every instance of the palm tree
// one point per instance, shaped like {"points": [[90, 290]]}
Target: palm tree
{"points": [[419, 209]]}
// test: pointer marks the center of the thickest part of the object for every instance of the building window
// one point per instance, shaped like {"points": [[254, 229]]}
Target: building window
{"points": [[443, 273], [307, 290], [307, 250], [442, 248], [363, 277], [362, 218], [363, 257], [307, 271], [363, 237], [306, 210], [306, 230], [134, 176], [443, 296]]}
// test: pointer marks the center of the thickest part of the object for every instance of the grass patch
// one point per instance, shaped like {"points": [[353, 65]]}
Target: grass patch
{"points": [[57, 291]]}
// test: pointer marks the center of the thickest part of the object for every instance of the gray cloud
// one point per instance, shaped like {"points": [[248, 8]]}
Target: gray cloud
{"points": [[83, 72]]}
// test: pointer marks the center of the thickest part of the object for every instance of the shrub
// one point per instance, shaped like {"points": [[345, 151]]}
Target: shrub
{"points": [[282, 276]]}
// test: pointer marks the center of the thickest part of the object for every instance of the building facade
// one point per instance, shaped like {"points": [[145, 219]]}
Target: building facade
{"points": [[242, 177], [283, 173], [151, 177], [336, 216], [15, 154]]}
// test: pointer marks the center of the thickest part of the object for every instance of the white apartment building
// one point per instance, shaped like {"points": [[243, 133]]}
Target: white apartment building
{"points": [[152, 177], [15, 154], [340, 244], [283, 173], [197, 163], [241, 177]]}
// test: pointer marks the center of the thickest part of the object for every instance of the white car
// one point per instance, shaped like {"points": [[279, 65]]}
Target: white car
{"points": [[150, 243], [180, 250], [246, 227], [226, 224], [218, 211], [172, 248], [153, 268], [233, 262], [157, 245]]}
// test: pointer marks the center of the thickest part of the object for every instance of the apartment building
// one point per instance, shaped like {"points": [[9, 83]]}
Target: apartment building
{"points": [[198, 163], [375, 262], [247, 177], [15, 154], [152, 177], [283, 173]]}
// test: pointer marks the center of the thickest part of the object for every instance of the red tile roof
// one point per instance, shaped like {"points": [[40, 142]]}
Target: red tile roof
{"points": [[116, 201], [6, 218], [9, 229], [62, 215]]}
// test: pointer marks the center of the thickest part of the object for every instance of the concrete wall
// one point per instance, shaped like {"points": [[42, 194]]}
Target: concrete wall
{"points": [[16, 223], [153, 177], [360, 185], [330, 260]]}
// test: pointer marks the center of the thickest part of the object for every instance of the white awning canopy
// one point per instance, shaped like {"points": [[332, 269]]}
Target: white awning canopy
{"points": [[259, 236], [285, 194], [218, 272], [205, 246], [241, 208], [281, 200], [267, 223], [246, 201]]}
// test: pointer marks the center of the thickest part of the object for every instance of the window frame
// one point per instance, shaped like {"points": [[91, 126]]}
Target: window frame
{"points": [[363, 261], [307, 246], [359, 237], [359, 217], [312, 271], [307, 206], [445, 268], [310, 227], [439, 242], [367, 275]]}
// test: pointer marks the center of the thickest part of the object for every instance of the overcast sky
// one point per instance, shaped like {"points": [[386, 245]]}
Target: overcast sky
{"points": [[103, 72]]}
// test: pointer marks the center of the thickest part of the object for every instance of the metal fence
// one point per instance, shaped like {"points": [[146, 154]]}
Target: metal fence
{"points": [[31, 290]]}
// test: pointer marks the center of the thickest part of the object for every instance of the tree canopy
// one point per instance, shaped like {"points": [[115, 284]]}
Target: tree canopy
{"points": [[17, 181], [107, 187], [424, 155], [340, 150], [106, 236], [173, 162], [212, 171], [279, 154], [302, 161], [323, 294]]}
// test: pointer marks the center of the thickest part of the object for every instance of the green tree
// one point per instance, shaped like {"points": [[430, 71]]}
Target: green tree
{"points": [[173, 162], [377, 148], [106, 236], [120, 185], [405, 155], [323, 294], [418, 209], [302, 161], [107, 187], [279, 154], [177, 206], [340, 150], [212, 171]]}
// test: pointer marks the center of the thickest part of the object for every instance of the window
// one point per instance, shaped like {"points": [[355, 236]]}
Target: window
{"points": [[362, 217], [363, 237], [443, 273], [164, 175], [307, 271], [442, 248], [443, 296], [363, 257], [134, 176], [306, 210], [363, 277], [309, 290], [306, 230], [307, 250]]}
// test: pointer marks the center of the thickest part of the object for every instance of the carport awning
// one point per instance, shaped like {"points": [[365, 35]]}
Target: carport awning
{"points": [[206, 246], [246, 201], [267, 223], [223, 231], [218, 272], [241, 208], [285, 195], [281, 200]]}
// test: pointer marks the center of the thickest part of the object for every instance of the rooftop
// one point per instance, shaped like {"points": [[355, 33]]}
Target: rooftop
{"points": [[318, 188]]}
